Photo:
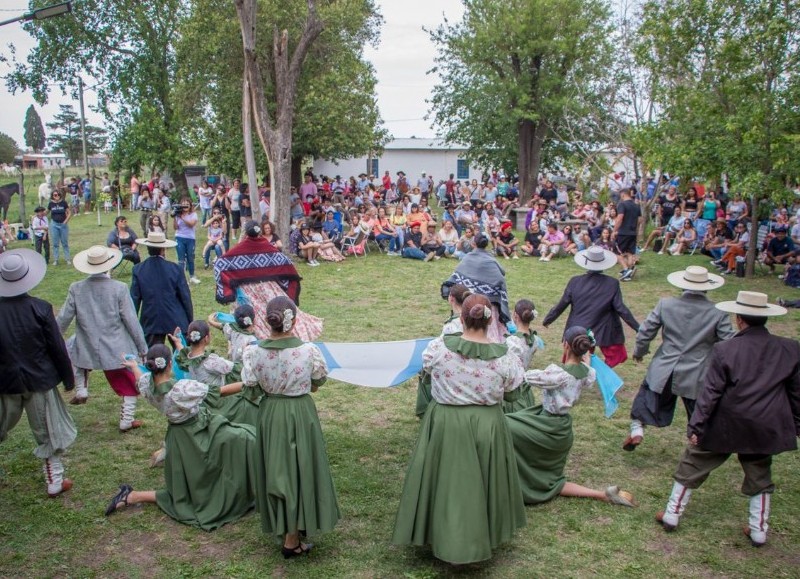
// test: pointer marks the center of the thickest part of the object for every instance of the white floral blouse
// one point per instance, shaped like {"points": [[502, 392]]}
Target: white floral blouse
{"points": [[561, 386], [461, 381], [211, 371], [518, 345], [453, 326], [237, 342], [286, 367], [181, 403]]}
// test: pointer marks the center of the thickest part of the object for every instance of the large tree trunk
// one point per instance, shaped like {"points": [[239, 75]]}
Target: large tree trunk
{"points": [[249, 154], [275, 131], [752, 246], [297, 172], [530, 139]]}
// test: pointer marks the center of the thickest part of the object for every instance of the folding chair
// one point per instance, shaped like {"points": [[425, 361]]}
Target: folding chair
{"points": [[350, 245], [701, 228]]}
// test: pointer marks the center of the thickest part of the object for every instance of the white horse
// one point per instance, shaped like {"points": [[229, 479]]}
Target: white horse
{"points": [[45, 189], [9, 170]]}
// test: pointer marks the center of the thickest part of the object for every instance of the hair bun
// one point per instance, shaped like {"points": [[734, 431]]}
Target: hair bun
{"points": [[476, 312]]}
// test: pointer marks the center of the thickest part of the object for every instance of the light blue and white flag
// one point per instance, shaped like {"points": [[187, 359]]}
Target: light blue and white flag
{"points": [[374, 364]]}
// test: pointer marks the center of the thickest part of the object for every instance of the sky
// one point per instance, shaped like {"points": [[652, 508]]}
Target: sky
{"points": [[401, 61]]}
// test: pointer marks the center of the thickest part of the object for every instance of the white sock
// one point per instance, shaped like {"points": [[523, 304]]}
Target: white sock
{"points": [[759, 517], [637, 428], [53, 474], [127, 412]]}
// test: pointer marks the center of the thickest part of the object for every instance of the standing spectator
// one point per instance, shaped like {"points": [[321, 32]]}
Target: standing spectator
{"points": [[690, 325], [205, 193], [135, 186], [41, 227], [235, 204], [595, 302], [402, 183], [185, 222], [750, 405], [221, 202], [626, 228], [33, 360], [105, 328], [424, 185], [59, 230], [160, 290], [386, 182], [86, 191]]}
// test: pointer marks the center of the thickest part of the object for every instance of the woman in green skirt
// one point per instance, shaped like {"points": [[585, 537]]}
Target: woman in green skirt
{"points": [[458, 293], [542, 434], [522, 344], [294, 488], [209, 473], [461, 494]]}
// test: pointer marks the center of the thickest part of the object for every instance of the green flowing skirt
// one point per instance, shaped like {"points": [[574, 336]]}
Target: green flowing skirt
{"points": [[423, 394], [241, 407], [294, 489], [526, 400], [461, 494], [542, 442], [209, 471]]}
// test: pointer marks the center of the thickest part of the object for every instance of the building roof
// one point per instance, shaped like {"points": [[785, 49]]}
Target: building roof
{"points": [[43, 156], [422, 144]]}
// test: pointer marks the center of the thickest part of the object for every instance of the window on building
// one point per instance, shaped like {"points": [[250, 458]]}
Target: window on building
{"points": [[462, 169], [372, 168]]}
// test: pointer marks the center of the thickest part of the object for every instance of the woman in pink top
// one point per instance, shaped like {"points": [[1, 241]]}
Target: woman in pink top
{"points": [[552, 242]]}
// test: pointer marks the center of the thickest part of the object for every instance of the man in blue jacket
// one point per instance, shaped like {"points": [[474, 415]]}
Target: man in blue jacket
{"points": [[160, 289]]}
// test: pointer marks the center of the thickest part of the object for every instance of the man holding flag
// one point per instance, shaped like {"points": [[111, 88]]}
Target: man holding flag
{"points": [[690, 325]]}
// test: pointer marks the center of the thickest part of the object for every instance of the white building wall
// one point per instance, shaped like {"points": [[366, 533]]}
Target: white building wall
{"points": [[436, 163]]}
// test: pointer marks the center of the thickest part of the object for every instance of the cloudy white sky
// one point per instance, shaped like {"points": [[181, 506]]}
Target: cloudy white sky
{"points": [[401, 61]]}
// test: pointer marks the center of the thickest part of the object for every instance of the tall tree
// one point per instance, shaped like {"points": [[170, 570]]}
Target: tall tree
{"points": [[8, 149], [65, 135], [128, 47], [34, 131], [305, 37], [336, 114], [730, 83], [510, 73]]}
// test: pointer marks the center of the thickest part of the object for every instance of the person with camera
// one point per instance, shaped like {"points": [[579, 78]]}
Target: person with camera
{"points": [[185, 220]]}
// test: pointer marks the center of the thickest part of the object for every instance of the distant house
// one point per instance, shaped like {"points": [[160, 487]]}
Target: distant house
{"points": [[412, 156], [43, 161]]}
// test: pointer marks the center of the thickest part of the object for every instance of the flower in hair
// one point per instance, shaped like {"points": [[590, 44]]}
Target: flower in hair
{"points": [[487, 312], [246, 321], [194, 336], [535, 313], [257, 229], [590, 333], [160, 363], [288, 316]]}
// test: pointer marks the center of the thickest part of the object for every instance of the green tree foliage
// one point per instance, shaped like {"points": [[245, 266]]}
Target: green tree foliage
{"points": [[729, 90], [8, 149], [128, 47], [336, 114], [512, 71], [65, 135], [34, 131]]}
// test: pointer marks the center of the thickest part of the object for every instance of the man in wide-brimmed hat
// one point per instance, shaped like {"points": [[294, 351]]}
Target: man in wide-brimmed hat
{"points": [[595, 302], [105, 327], [33, 360], [749, 405], [690, 325], [160, 289]]}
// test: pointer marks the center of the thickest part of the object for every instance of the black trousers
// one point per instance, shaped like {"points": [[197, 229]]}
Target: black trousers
{"points": [[654, 409]]}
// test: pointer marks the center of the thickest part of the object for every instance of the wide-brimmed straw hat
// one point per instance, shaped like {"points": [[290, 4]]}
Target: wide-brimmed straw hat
{"points": [[21, 270], [696, 278], [751, 304], [156, 239], [595, 258], [97, 259]]}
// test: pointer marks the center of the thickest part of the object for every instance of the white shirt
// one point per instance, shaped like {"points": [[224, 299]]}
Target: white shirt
{"points": [[560, 389], [180, 404], [287, 371]]}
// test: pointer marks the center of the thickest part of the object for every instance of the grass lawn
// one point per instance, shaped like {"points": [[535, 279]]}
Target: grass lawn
{"points": [[370, 434]]}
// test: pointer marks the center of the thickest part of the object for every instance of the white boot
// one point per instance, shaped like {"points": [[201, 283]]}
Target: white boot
{"points": [[675, 506], [637, 428], [758, 522], [54, 476], [81, 385], [126, 421]]}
